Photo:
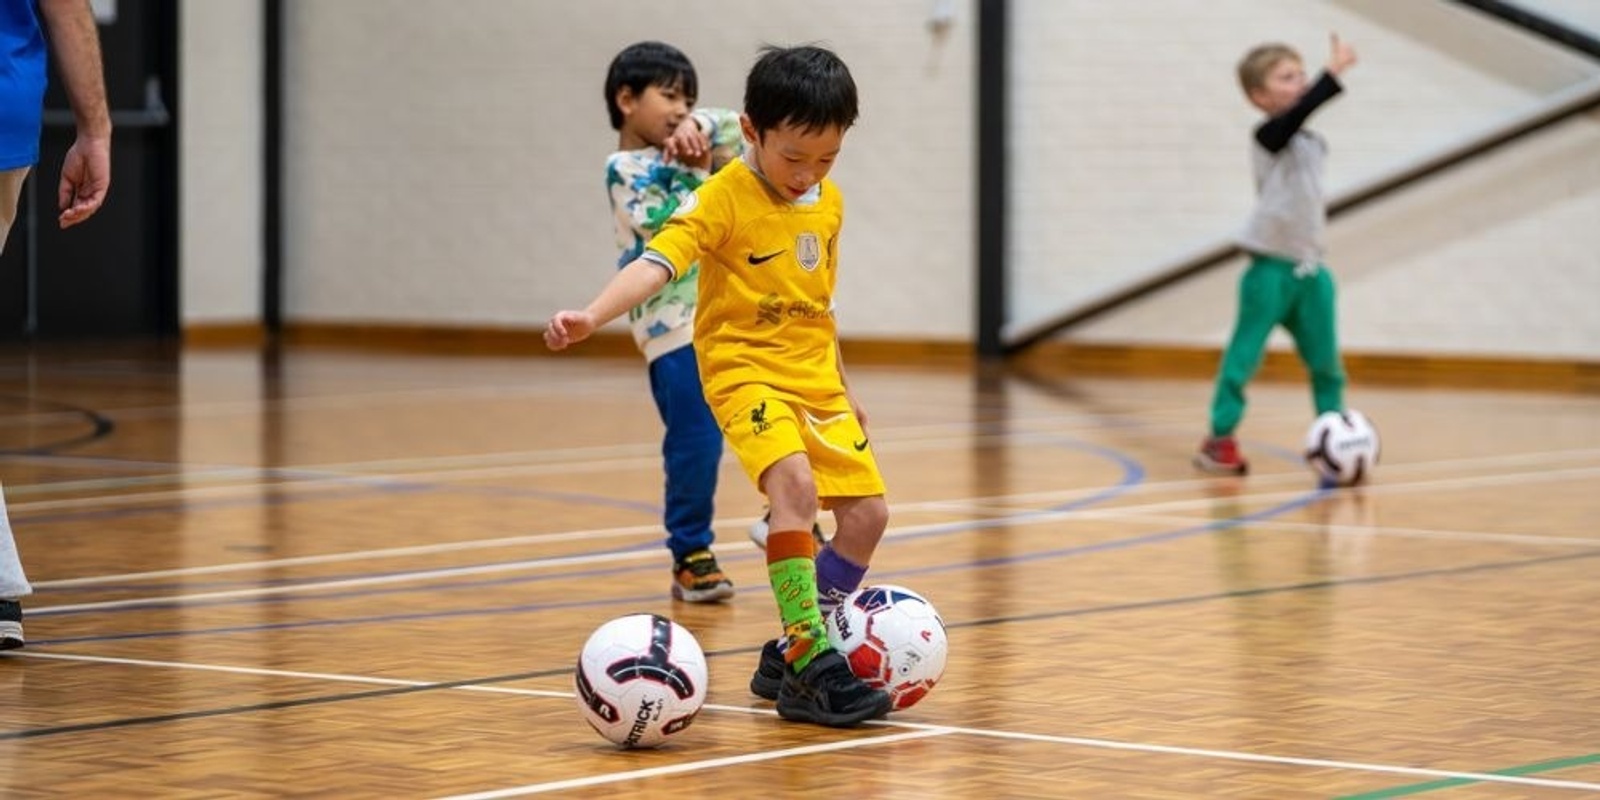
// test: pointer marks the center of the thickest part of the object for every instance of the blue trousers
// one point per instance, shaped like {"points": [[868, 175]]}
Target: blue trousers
{"points": [[691, 449]]}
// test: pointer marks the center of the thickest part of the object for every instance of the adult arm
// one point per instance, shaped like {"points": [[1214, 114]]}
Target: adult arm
{"points": [[86, 172]]}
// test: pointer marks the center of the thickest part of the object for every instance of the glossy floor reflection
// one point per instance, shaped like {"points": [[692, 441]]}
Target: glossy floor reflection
{"points": [[366, 575]]}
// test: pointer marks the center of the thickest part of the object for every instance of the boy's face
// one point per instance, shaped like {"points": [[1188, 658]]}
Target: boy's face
{"points": [[651, 116], [1284, 82], [792, 158]]}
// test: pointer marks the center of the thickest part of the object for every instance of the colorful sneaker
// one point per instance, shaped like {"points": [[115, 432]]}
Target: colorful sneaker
{"points": [[1220, 455], [769, 672], [11, 625], [828, 693], [761, 527], [698, 579]]}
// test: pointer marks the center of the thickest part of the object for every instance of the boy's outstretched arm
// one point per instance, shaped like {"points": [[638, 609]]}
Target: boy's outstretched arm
{"points": [[631, 286]]}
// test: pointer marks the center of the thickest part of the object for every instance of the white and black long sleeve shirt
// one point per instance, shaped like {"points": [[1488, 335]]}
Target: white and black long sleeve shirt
{"points": [[1291, 212]]}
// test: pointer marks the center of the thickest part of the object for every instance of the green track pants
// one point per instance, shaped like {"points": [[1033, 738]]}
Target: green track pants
{"points": [[1273, 292]]}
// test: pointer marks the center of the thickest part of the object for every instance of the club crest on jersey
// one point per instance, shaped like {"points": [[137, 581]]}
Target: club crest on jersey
{"points": [[808, 251], [687, 205]]}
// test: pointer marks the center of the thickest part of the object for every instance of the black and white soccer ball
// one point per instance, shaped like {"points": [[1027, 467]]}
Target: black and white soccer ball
{"points": [[641, 679], [1342, 447]]}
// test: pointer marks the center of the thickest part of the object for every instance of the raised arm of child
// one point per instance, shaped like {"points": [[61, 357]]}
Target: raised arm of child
{"points": [[1275, 133]]}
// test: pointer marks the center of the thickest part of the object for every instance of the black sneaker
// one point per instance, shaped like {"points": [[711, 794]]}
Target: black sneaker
{"points": [[11, 625], [698, 579], [828, 693], [769, 672]]}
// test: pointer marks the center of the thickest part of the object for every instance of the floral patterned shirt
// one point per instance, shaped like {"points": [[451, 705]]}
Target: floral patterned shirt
{"points": [[645, 190]]}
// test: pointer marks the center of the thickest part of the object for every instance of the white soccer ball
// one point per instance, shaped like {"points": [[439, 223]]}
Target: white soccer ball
{"points": [[893, 639], [1342, 447], [641, 679]]}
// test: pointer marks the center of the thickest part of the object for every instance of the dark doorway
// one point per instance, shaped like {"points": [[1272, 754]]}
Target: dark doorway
{"points": [[116, 275]]}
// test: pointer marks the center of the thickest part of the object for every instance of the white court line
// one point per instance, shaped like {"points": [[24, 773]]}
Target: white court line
{"points": [[366, 555], [346, 583], [605, 458], [334, 677], [634, 555], [1467, 482], [914, 731], [1002, 505], [610, 385], [1302, 479], [280, 673], [548, 462], [1233, 755], [695, 766]]}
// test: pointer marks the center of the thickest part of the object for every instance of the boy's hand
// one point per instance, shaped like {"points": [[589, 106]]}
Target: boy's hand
{"points": [[689, 145], [1341, 56], [568, 328]]}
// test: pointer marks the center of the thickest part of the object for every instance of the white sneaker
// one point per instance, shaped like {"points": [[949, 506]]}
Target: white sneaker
{"points": [[760, 528]]}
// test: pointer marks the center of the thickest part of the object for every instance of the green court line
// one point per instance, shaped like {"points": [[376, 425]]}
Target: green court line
{"points": [[1525, 769]]}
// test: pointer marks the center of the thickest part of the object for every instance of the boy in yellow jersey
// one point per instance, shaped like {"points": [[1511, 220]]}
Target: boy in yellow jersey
{"points": [[765, 231]]}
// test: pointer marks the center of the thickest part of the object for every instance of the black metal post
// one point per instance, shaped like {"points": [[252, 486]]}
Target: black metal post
{"points": [[991, 167]]}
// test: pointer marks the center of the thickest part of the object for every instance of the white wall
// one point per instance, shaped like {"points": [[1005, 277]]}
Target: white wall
{"points": [[444, 162], [447, 156], [1136, 140], [1496, 257], [219, 110]]}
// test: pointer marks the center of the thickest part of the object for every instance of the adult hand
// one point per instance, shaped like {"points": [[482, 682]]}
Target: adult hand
{"points": [[85, 179]]}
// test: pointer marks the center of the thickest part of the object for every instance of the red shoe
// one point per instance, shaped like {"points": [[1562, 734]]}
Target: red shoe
{"points": [[1219, 455]]}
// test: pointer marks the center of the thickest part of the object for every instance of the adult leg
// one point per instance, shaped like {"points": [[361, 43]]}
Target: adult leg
{"points": [[13, 582]]}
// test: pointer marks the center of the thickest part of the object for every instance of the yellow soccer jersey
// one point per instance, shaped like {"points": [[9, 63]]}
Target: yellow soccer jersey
{"points": [[764, 325]]}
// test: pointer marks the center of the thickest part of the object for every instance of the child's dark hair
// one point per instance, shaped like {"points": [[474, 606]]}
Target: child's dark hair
{"points": [[805, 86], [645, 64]]}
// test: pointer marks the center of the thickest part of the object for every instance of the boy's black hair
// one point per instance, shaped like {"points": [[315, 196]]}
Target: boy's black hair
{"points": [[644, 64], [805, 86]]}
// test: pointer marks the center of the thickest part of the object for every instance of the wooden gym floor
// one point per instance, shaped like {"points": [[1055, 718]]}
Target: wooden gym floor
{"points": [[360, 575]]}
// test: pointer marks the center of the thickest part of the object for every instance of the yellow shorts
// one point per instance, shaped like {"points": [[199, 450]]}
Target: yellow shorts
{"points": [[762, 431]]}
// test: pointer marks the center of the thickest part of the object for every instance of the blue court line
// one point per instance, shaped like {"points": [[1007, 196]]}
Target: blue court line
{"points": [[1133, 474], [361, 484], [1132, 541], [654, 600]]}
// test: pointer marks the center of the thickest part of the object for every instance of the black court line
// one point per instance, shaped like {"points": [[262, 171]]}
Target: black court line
{"points": [[125, 722], [1310, 586], [100, 426]]}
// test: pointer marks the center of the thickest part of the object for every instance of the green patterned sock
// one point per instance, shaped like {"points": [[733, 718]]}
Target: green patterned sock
{"points": [[793, 574]]}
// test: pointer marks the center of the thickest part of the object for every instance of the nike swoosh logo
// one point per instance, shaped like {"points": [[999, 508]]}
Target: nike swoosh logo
{"points": [[756, 260], [861, 445]]}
